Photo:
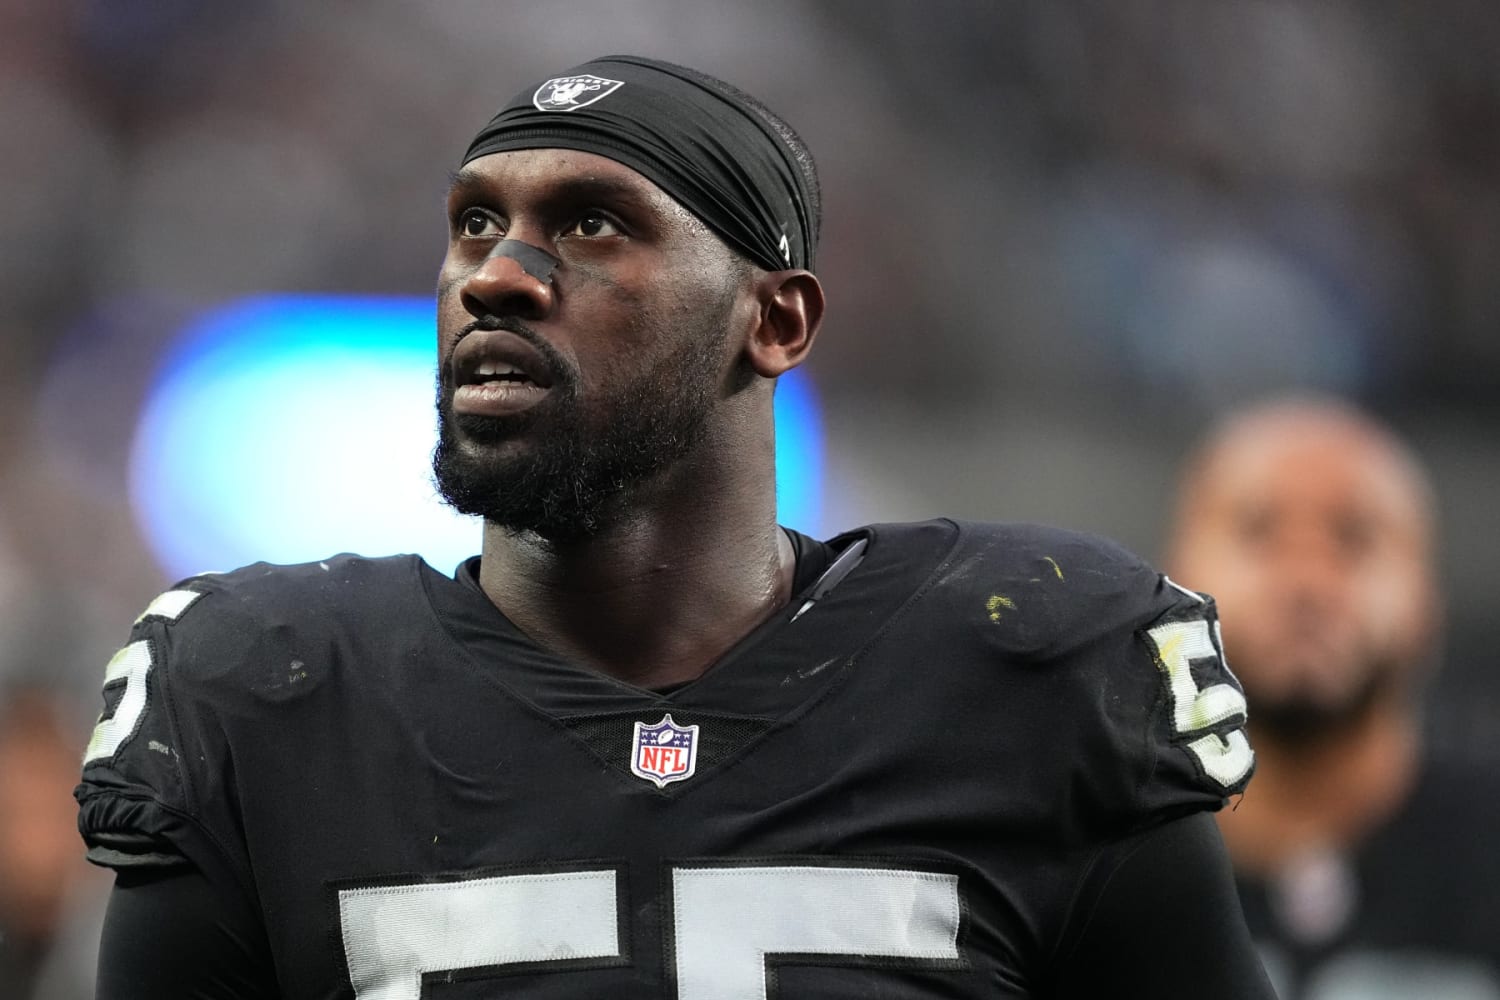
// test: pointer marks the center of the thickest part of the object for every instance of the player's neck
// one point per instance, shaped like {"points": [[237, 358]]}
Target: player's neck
{"points": [[1324, 796], [654, 599]]}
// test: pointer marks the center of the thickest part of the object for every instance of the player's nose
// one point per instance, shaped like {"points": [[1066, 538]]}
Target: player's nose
{"points": [[504, 285], [1313, 568]]}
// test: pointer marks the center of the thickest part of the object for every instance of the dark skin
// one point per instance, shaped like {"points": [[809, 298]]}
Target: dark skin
{"points": [[694, 560]]}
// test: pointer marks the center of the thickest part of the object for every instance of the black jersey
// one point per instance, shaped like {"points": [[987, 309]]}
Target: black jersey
{"points": [[1412, 912], [902, 788]]}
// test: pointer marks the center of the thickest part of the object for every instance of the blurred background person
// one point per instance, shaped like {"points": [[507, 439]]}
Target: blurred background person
{"points": [[1368, 869], [50, 906], [48, 903], [36, 758]]}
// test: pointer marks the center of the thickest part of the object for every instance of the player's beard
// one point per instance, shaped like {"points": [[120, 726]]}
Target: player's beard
{"points": [[586, 457], [1297, 718]]}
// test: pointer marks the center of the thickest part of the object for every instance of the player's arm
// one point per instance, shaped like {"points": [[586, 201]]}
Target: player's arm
{"points": [[1159, 917], [181, 922], [181, 934]]}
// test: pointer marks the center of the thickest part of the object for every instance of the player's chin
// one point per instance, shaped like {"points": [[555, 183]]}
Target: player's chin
{"points": [[1312, 715], [483, 429]]}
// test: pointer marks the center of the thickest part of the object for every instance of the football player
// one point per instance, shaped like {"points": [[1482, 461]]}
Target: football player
{"points": [[1365, 870], [648, 743]]}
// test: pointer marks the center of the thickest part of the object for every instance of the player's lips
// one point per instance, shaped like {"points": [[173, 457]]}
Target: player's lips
{"points": [[496, 372]]}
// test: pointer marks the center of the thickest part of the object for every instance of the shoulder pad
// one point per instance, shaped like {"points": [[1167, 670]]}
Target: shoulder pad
{"points": [[1129, 667], [204, 649]]}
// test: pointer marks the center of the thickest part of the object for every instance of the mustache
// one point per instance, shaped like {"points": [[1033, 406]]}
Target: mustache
{"points": [[559, 371]]}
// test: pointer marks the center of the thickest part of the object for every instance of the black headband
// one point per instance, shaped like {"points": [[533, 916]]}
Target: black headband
{"points": [[707, 149]]}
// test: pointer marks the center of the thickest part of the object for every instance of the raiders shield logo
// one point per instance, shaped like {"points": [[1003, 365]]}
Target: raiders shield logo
{"points": [[569, 93], [664, 752]]}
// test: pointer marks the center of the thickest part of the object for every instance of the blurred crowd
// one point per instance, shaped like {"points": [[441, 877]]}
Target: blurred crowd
{"points": [[1059, 239]]}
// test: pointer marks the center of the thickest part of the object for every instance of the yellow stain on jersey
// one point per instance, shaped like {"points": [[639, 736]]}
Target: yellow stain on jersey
{"points": [[995, 603], [1168, 650], [1055, 567]]}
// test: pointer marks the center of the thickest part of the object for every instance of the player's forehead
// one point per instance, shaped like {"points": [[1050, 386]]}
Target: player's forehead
{"points": [[1317, 464], [545, 171]]}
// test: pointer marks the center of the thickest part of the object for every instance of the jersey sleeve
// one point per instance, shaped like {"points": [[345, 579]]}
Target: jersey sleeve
{"points": [[1197, 731], [1158, 915], [182, 932], [1167, 735], [1124, 673], [156, 786]]}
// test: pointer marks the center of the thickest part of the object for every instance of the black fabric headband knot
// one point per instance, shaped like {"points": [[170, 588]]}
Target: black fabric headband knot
{"points": [[708, 149]]}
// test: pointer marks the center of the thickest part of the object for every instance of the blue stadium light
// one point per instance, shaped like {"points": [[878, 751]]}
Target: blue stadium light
{"points": [[287, 428]]}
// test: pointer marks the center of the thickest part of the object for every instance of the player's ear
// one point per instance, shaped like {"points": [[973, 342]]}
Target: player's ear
{"points": [[791, 311], [1428, 614]]}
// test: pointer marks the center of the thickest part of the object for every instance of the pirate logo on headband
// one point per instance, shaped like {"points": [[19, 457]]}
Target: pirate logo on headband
{"points": [[569, 93]]}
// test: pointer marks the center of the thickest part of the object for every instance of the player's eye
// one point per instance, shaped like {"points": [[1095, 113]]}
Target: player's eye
{"points": [[1354, 536], [593, 224], [475, 222], [1254, 526]]}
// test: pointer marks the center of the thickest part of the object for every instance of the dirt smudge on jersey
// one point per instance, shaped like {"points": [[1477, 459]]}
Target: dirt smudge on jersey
{"points": [[995, 603]]}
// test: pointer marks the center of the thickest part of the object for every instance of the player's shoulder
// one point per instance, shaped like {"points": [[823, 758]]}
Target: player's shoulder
{"points": [[325, 582], [214, 624], [1036, 590], [1077, 628], [1021, 551], [1026, 551], [307, 593], [218, 645], [210, 649], [1454, 805]]}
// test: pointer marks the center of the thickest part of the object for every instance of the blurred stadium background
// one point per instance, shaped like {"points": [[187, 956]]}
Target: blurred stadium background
{"points": [[1059, 239]]}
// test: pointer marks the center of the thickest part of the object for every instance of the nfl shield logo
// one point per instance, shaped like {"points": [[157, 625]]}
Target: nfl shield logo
{"points": [[569, 93], [664, 752]]}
